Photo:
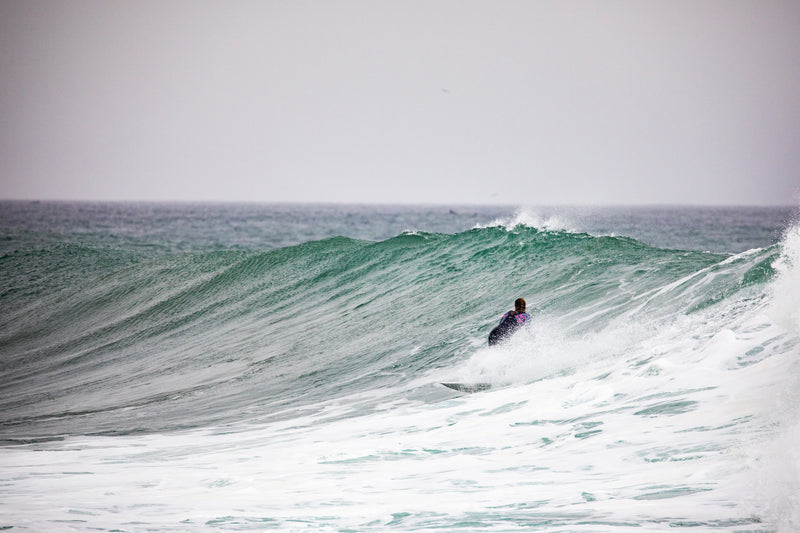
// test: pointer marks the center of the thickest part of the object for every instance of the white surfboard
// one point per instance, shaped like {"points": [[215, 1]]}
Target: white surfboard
{"points": [[468, 387]]}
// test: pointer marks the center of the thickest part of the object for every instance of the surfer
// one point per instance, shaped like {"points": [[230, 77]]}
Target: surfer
{"points": [[510, 323]]}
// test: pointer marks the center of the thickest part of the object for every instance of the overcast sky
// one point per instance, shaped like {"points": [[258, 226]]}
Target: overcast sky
{"points": [[450, 102]]}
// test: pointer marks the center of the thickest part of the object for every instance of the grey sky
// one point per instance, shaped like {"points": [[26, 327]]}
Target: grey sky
{"points": [[513, 102]]}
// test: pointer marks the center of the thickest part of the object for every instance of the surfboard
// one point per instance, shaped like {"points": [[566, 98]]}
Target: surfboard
{"points": [[468, 387]]}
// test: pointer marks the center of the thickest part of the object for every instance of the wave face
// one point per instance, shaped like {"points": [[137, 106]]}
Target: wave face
{"points": [[655, 386]]}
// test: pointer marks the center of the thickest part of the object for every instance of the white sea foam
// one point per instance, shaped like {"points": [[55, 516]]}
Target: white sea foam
{"points": [[558, 452], [778, 458], [657, 430]]}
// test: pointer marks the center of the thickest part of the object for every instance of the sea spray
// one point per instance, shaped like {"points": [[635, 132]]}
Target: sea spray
{"points": [[531, 218]]}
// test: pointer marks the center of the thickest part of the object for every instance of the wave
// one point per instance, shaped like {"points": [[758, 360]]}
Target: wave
{"points": [[104, 340]]}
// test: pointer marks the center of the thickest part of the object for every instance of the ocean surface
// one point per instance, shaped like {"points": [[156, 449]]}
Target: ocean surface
{"points": [[181, 368]]}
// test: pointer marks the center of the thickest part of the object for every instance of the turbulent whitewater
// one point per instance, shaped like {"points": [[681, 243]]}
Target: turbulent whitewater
{"points": [[251, 368]]}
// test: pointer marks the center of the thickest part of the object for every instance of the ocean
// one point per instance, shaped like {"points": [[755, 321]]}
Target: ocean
{"points": [[236, 367]]}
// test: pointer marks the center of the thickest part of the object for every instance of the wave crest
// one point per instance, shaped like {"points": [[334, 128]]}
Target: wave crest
{"points": [[531, 219]]}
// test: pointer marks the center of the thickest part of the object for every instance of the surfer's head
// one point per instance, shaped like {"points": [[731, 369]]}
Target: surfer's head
{"points": [[519, 305]]}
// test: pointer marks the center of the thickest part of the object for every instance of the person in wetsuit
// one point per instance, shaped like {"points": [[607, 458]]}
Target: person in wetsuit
{"points": [[510, 323]]}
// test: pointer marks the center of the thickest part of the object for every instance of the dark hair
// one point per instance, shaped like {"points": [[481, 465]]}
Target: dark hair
{"points": [[519, 305]]}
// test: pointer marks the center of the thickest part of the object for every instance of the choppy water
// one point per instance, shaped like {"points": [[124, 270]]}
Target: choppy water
{"points": [[234, 367]]}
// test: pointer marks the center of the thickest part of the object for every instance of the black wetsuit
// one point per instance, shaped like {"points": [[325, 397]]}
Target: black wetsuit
{"points": [[508, 325]]}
